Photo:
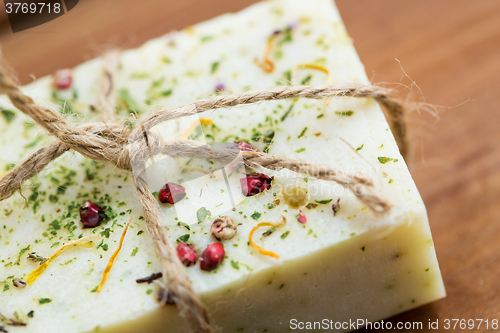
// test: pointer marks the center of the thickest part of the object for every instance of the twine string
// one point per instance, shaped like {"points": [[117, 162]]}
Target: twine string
{"points": [[129, 149]]}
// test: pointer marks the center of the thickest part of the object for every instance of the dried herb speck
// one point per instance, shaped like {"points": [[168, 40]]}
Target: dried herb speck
{"points": [[336, 207], [150, 279]]}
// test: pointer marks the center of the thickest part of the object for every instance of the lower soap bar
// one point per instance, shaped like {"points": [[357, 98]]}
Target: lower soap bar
{"points": [[367, 278]]}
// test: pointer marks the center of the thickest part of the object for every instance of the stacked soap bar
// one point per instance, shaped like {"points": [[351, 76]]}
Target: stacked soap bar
{"points": [[336, 259]]}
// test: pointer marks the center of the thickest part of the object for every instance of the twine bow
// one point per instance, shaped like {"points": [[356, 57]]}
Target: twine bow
{"points": [[127, 147]]}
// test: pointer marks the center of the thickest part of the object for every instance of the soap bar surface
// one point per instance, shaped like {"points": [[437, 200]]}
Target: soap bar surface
{"points": [[342, 266]]}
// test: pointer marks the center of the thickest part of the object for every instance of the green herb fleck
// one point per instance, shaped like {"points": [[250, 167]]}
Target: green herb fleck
{"points": [[105, 232], [185, 225], [149, 291], [256, 215], [269, 232], [287, 113], [8, 114], [300, 150], [166, 93], [320, 116], [285, 234], [56, 225], [214, 67], [390, 180], [95, 289], [360, 147], [384, 160], [6, 287], [345, 113], [203, 214], [129, 101], [235, 264], [140, 232], [33, 143], [183, 238], [44, 300], [302, 133], [306, 80], [23, 250], [134, 252], [311, 205], [271, 205], [323, 202]]}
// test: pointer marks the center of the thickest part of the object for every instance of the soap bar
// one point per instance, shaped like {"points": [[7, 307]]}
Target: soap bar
{"points": [[334, 260]]}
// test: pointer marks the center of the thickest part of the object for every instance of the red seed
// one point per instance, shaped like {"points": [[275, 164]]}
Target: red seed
{"points": [[255, 184], [244, 146], [187, 254], [171, 193], [90, 215], [212, 256], [302, 217], [63, 79]]}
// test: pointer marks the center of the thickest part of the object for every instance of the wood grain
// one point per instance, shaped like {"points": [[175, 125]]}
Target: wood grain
{"points": [[450, 48]]}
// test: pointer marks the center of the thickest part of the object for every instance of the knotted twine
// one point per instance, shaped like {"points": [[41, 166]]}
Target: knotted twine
{"points": [[130, 148]]}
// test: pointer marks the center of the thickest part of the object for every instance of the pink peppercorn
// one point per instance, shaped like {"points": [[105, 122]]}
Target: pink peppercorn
{"points": [[90, 215], [220, 86], [212, 257], [244, 146], [187, 254], [302, 217], [63, 79], [224, 228], [171, 193], [255, 184]]}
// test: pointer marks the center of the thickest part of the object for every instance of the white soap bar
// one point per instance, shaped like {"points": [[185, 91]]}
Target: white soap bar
{"points": [[350, 266]]}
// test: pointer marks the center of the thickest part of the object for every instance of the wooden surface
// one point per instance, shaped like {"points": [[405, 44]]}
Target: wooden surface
{"points": [[450, 48]]}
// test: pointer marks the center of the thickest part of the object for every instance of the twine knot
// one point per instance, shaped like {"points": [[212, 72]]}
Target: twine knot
{"points": [[129, 148]]}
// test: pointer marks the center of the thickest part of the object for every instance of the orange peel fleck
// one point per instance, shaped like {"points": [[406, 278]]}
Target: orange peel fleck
{"points": [[267, 65], [37, 272], [315, 67], [105, 274], [185, 135], [265, 224], [194, 124]]}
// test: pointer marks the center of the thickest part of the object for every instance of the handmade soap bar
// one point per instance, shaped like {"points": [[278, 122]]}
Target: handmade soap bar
{"points": [[337, 261]]}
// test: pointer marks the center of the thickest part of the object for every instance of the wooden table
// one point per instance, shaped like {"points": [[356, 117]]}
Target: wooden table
{"points": [[450, 48]]}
